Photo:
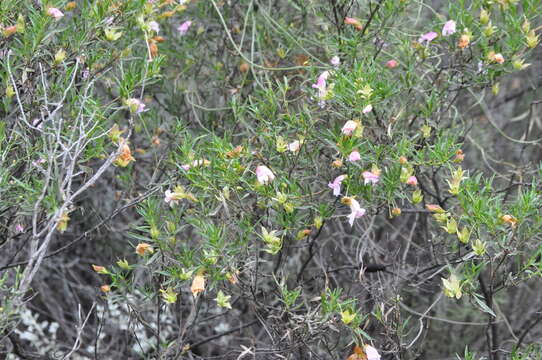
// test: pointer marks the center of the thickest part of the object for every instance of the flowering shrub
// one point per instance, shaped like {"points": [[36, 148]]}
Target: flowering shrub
{"points": [[219, 179]]}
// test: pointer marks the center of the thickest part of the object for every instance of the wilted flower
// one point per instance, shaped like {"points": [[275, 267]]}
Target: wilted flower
{"points": [[54, 12], [396, 211], [412, 180], [125, 156], [264, 175], [336, 184], [390, 64], [370, 177], [349, 127], [198, 284], [353, 22], [459, 156], [105, 288], [144, 248], [354, 156], [448, 28], [464, 41], [427, 38], [183, 28], [9, 30], [509, 219], [335, 61], [337, 163], [63, 220], [499, 58], [356, 210]]}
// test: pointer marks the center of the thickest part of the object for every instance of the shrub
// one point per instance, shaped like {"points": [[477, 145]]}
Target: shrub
{"points": [[202, 179]]}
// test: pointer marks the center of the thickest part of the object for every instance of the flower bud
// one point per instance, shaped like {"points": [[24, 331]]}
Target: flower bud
{"points": [[531, 39], [484, 17], [417, 196], [463, 235], [60, 56]]}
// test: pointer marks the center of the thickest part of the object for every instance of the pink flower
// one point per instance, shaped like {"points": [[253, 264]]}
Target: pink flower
{"points": [[336, 184], [294, 146], [154, 26], [135, 105], [412, 181], [335, 61], [370, 177], [349, 127], [185, 167], [183, 28], [448, 28], [54, 12], [367, 109], [321, 86], [371, 353], [427, 38], [171, 197], [356, 210], [392, 64], [354, 156], [264, 175], [19, 228]]}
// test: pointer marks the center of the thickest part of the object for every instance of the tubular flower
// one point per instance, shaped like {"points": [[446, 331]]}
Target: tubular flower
{"points": [[55, 13], [354, 156], [391, 64], [321, 86], [448, 28], [370, 177], [336, 184], [356, 210], [427, 38], [349, 127], [412, 180], [372, 353], [183, 28], [264, 175]]}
